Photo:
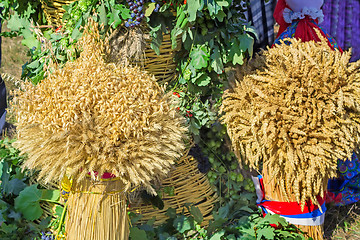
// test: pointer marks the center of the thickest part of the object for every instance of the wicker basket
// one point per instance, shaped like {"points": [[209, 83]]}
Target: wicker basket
{"points": [[190, 186], [53, 10], [162, 66]]}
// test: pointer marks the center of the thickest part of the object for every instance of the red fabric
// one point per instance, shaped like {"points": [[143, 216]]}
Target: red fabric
{"points": [[279, 17], [289, 208], [306, 31]]}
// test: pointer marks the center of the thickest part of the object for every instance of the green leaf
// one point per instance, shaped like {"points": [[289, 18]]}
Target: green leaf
{"points": [[76, 34], [195, 211], [238, 59], [216, 61], [59, 210], [246, 43], [8, 228], [192, 7], [273, 219], [266, 232], [220, 16], [137, 234], [171, 213], [52, 195], [15, 23], [149, 10], [182, 224], [124, 11], [102, 14], [213, 7], [31, 42], [204, 80], [28, 203], [14, 186], [34, 64], [217, 235], [199, 57], [223, 212]]}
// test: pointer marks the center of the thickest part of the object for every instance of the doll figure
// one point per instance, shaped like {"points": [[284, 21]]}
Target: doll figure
{"points": [[299, 19]]}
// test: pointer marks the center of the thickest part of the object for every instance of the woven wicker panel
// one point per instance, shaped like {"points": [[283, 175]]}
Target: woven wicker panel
{"points": [[190, 186], [162, 66], [53, 10]]}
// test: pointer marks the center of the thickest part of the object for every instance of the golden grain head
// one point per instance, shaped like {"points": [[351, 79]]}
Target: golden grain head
{"points": [[93, 116], [293, 109]]}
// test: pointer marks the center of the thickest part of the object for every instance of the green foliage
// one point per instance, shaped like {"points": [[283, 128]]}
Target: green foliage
{"points": [[245, 224], [19, 201], [213, 39]]}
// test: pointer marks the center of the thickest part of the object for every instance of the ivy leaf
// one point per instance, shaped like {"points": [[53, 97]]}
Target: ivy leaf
{"points": [[203, 81], [14, 186], [182, 224], [220, 16], [218, 235], [238, 59], [124, 11], [137, 234], [15, 23], [199, 57], [195, 211], [192, 7], [246, 43], [171, 213], [102, 14], [216, 61], [213, 7], [76, 34], [8, 228], [28, 203], [273, 219], [15, 215], [31, 42], [266, 232]]}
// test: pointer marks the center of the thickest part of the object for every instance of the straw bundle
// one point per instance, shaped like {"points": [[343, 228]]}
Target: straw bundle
{"points": [[290, 110], [190, 186], [293, 111], [91, 118], [102, 202], [53, 10]]}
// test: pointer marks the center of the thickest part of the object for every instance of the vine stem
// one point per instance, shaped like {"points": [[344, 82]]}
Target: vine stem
{"points": [[61, 220]]}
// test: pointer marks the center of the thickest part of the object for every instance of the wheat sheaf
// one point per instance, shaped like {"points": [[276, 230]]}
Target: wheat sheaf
{"points": [[91, 116], [293, 111]]}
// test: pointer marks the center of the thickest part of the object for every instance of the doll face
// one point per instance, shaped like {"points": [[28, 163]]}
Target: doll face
{"points": [[298, 5]]}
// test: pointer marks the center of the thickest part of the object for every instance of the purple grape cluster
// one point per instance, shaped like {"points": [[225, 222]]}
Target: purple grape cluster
{"points": [[136, 8], [47, 236], [157, 6]]}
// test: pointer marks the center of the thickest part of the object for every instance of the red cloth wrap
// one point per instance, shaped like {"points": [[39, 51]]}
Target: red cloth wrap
{"points": [[305, 29]]}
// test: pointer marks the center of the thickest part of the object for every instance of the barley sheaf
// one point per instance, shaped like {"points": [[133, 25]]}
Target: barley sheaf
{"points": [[91, 116], [292, 111]]}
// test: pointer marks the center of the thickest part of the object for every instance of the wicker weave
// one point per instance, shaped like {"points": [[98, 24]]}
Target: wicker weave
{"points": [[162, 66], [53, 10], [190, 186]]}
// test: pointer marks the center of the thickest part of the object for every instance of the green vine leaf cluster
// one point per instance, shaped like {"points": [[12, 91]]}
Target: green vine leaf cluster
{"points": [[20, 211]]}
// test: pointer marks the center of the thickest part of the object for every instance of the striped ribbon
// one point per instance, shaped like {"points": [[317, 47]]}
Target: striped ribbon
{"points": [[312, 215]]}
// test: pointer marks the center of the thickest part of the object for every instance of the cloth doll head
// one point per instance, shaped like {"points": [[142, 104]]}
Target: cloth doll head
{"points": [[299, 5]]}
